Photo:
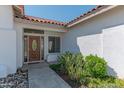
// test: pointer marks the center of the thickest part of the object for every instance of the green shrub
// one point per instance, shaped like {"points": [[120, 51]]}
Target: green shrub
{"points": [[73, 64], [65, 59], [119, 83], [56, 67], [90, 71], [95, 67], [75, 67], [101, 83], [107, 82]]}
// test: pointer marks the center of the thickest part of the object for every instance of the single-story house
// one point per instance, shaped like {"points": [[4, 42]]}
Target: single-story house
{"points": [[26, 39]]}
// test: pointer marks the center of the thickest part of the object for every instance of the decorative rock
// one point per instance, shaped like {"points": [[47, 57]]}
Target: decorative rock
{"points": [[17, 80]]}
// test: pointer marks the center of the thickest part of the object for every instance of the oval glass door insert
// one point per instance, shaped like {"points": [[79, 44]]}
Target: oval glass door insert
{"points": [[34, 45]]}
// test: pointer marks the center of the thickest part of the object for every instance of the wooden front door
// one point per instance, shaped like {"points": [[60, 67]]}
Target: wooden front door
{"points": [[34, 48]]}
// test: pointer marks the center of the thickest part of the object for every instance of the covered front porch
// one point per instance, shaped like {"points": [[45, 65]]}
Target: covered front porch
{"points": [[37, 42]]}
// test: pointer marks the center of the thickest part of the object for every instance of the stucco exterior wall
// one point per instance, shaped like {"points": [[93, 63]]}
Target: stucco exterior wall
{"points": [[89, 37], [7, 41], [8, 50], [6, 17], [48, 31], [113, 50], [90, 44]]}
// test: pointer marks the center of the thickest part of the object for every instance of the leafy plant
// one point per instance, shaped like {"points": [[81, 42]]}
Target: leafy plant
{"points": [[56, 67], [99, 83], [75, 67], [107, 82], [90, 71], [65, 60], [119, 83], [73, 64], [95, 67]]}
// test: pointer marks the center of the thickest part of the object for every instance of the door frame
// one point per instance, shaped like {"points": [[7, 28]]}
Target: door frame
{"points": [[33, 34]]}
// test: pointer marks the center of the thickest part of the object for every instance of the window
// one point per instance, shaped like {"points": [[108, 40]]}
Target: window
{"points": [[35, 31], [54, 44], [25, 48]]}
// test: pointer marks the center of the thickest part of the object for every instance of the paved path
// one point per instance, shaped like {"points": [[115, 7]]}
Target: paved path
{"points": [[41, 76]]}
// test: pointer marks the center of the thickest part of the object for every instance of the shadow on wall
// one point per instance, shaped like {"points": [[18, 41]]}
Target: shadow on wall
{"points": [[82, 30], [111, 71]]}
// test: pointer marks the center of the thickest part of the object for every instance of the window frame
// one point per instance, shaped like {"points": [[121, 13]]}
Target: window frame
{"points": [[55, 47]]}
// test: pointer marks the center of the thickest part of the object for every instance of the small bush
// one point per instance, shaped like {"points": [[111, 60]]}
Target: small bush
{"points": [[119, 83], [99, 83], [90, 71], [107, 82], [75, 67], [56, 67], [95, 67], [64, 60], [73, 64]]}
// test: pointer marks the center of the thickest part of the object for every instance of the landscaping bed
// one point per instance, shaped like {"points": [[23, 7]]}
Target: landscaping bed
{"points": [[89, 82], [85, 72], [17, 80], [66, 78]]}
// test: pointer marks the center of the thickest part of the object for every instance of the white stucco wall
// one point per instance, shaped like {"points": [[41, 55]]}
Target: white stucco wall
{"points": [[8, 50], [113, 49], [7, 41], [89, 37], [91, 44], [6, 17], [84, 38], [48, 31]]}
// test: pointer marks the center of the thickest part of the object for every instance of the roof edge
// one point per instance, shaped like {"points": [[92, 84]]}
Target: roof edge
{"points": [[40, 20], [94, 12], [83, 18]]}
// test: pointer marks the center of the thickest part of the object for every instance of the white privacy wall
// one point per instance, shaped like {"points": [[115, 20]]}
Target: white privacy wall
{"points": [[113, 50], [93, 37], [8, 50], [7, 42]]}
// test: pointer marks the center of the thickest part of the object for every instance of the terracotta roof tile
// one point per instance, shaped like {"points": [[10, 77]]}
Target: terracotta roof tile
{"points": [[40, 20]]}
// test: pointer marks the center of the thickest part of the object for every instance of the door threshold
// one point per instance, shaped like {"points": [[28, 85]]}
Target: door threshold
{"points": [[34, 62]]}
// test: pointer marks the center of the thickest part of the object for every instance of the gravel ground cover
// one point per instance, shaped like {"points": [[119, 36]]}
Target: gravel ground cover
{"points": [[17, 80]]}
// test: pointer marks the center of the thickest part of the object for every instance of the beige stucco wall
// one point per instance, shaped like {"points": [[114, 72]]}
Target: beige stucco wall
{"points": [[49, 30], [90, 37]]}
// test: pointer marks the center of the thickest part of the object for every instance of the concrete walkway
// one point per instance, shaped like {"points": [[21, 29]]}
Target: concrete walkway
{"points": [[41, 76]]}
